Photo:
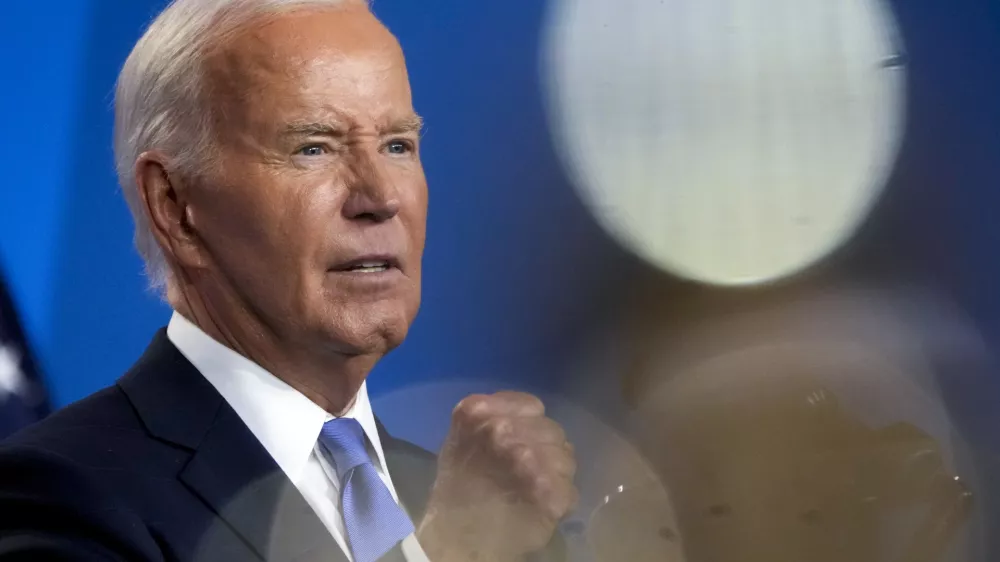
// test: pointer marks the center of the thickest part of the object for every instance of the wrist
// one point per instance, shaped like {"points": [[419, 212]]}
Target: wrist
{"points": [[455, 539]]}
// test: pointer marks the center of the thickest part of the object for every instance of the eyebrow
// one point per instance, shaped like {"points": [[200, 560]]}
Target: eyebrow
{"points": [[412, 123], [306, 128]]}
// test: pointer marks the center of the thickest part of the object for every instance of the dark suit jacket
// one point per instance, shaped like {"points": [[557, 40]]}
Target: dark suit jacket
{"points": [[159, 467]]}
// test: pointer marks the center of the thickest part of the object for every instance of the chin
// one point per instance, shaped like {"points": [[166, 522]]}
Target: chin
{"points": [[372, 330]]}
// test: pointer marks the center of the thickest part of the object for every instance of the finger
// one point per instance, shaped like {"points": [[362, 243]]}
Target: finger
{"points": [[505, 433], [537, 430], [477, 408], [553, 460], [519, 404], [555, 497], [530, 462]]}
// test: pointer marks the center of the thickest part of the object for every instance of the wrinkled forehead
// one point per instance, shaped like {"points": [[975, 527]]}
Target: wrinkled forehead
{"points": [[319, 64]]}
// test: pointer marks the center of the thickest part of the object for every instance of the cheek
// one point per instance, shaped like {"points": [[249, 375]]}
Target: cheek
{"points": [[415, 199], [307, 230], [265, 226]]}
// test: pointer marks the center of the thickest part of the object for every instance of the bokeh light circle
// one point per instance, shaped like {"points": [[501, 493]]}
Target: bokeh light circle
{"points": [[730, 142]]}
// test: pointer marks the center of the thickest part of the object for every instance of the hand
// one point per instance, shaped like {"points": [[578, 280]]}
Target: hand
{"points": [[505, 479]]}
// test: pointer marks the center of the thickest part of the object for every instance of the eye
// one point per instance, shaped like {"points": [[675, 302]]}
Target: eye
{"points": [[312, 150], [399, 146]]}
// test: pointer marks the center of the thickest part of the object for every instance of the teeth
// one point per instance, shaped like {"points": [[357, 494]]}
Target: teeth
{"points": [[370, 267]]}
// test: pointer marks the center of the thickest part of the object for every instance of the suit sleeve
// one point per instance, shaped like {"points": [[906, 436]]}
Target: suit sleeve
{"points": [[52, 510]]}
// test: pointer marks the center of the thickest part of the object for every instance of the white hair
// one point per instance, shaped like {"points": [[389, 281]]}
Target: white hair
{"points": [[159, 101]]}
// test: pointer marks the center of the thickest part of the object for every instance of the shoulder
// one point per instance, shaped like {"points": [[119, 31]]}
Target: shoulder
{"points": [[60, 450], [101, 432], [63, 492], [52, 508], [98, 416], [69, 438], [100, 436]]}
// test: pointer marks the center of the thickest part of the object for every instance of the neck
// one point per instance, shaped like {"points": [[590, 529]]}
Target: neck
{"points": [[328, 378]]}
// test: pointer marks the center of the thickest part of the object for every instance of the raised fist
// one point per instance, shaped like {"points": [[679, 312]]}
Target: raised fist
{"points": [[505, 479]]}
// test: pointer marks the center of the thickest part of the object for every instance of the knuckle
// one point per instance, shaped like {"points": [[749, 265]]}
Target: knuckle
{"points": [[533, 402], [471, 408], [524, 458], [559, 431], [542, 487], [570, 449], [523, 401], [550, 431], [563, 498], [499, 430], [564, 464], [571, 467]]}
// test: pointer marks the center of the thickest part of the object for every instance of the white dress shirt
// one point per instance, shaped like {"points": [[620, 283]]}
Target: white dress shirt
{"points": [[287, 424]]}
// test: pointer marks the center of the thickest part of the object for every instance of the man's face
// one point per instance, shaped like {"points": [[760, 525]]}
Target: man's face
{"points": [[314, 211]]}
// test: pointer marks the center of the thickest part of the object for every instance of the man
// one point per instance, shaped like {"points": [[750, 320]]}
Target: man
{"points": [[269, 152]]}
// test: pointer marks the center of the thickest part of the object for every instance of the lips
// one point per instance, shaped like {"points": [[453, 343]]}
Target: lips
{"points": [[368, 264]]}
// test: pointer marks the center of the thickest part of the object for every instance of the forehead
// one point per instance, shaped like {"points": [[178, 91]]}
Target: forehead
{"points": [[309, 64]]}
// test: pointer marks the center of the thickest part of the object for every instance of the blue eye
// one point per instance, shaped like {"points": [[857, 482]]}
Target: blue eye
{"points": [[312, 150], [399, 147]]}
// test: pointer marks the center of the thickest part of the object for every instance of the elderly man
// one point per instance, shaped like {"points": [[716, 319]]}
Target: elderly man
{"points": [[269, 153]]}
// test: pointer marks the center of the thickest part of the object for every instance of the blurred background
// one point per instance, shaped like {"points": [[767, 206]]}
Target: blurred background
{"points": [[746, 249]]}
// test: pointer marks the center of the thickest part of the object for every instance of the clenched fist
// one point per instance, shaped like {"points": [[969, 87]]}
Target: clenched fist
{"points": [[505, 479]]}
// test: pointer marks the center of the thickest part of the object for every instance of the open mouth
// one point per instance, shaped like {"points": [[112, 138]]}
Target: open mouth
{"points": [[368, 267], [368, 264]]}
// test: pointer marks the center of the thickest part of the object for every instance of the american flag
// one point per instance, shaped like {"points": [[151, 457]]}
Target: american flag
{"points": [[23, 399]]}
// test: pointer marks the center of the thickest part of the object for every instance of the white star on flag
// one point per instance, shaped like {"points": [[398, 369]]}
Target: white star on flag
{"points": [[12, 379]]}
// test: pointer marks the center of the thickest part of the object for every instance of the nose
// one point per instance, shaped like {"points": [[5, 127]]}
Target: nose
{"points": [[372, 196]]}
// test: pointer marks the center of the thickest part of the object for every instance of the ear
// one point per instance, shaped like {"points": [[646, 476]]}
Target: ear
{"points": [[168, 211]]}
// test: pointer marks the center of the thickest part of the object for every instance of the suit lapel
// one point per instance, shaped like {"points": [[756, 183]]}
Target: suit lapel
{"points": [[229, 469], [233, 473], [412, 470]]}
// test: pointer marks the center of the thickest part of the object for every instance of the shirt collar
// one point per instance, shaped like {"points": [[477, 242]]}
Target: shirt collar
{"points": [[283, 419]]}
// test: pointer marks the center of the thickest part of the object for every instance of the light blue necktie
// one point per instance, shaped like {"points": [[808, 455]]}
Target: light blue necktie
{"points": [[374, 521]]}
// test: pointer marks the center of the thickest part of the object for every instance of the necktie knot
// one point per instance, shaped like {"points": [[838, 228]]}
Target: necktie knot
{"points": [[344, 438]]}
